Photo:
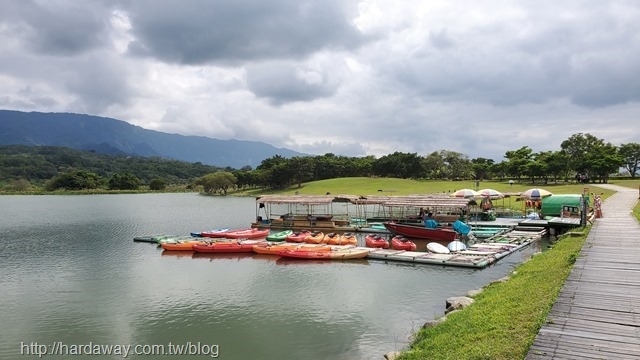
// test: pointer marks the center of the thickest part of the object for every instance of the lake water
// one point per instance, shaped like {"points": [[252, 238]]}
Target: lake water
{"points": [[72, 275]]}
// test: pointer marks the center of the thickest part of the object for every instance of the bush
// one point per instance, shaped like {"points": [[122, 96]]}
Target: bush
{"points": [[157, 184]]}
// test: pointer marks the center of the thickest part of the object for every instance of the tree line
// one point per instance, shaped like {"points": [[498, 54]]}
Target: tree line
{"points": [[582, 157]]}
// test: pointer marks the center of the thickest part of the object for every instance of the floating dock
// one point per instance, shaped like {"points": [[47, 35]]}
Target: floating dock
{"points": [[478, 255]]}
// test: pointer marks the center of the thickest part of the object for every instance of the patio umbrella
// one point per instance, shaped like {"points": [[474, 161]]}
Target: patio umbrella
{"points": [[535, 194], [491, 193], [465, 193]]}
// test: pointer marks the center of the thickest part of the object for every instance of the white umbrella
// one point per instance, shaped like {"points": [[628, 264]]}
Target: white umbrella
{"points": [[465, 193], [491, 193]]}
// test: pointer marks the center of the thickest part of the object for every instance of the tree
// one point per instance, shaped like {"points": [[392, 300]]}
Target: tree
{"points": [[577, 148], [302, 169], [517, 161], [458, 165], [399, 165], [481, 167], [73, 180], [603, 161], [631, 157], [123, 181], [218, 181], [434, 166], [157, 184]]}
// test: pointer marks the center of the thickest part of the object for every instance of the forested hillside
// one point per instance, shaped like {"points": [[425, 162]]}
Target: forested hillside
{"points": [[40, 163]]}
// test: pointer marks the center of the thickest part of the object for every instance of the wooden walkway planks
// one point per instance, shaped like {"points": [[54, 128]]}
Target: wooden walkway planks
{"points": [[597, 313]]}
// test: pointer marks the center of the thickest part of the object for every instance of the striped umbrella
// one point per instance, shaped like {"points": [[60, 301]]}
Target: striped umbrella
{"points": [[535, 194], [465, 193], [491, 193]]}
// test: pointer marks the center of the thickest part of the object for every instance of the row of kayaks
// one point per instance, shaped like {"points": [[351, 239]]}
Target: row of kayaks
{"points": [[293, 250]]}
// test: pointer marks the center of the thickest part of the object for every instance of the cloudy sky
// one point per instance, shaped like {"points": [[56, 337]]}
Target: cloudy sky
{"points": [[348, 77]]}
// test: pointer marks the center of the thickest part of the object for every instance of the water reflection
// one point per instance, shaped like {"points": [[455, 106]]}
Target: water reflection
{"points": [[72, 273]]}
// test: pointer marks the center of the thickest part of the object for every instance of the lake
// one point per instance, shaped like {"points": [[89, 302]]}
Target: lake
{"points": [[74, 280]]}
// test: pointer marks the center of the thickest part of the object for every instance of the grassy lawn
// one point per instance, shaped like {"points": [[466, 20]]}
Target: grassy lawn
{"points": [[363, 186], [506, 317]]}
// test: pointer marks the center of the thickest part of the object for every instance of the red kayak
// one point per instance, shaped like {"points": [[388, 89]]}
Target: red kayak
{"points": [[227, 246], [376, 241], [402, 243], [298, 236], [252, 233]]}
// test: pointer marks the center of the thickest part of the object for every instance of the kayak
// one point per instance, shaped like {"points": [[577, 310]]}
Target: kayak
{"points": [[376, 241], [227, 246], [349, 239], [279, 236], [298, 236], [315, 237], [400, 242], [332, 239], [354, 253], [152, 238], [252, 233], [215, 233], [181, 245], [274, 249]]}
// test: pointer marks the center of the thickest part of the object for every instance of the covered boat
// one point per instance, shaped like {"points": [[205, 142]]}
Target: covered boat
{"points": [[353, 253], [376, 241], [421, 232], [400, 242], [227, 246]]}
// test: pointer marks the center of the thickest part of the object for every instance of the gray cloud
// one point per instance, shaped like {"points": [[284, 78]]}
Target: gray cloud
{"points": [[62, 28], [281, 83], [203, 31]]}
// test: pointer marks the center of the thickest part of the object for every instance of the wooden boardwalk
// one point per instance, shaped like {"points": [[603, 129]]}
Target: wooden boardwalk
{"points": [[597, 313]]}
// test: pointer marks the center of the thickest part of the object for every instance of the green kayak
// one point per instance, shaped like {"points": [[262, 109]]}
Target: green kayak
{"points": [[279, 236]]}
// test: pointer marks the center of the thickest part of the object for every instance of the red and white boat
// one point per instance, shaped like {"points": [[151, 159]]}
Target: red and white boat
{"points": [[400, 242], [376, 241], [418, 231]]}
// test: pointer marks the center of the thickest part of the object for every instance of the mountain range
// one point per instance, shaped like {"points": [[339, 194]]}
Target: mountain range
{"points": [[117, 137]]}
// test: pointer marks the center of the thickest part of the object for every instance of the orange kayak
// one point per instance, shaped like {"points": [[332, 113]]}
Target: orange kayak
{"points": [[277, 248], [227, 246], [181, 246], [315, 237]]}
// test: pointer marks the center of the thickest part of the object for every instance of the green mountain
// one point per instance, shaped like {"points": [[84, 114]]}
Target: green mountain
{"points": [[117, 137]]}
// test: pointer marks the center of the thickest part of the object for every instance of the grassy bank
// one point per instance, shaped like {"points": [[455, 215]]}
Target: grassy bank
{"points": [[506, 317]]}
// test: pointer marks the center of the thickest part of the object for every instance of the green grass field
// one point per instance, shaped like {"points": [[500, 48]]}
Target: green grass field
{"points": [[363, 186]]}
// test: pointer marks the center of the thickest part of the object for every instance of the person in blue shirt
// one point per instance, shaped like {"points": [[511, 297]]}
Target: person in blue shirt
{"points": [[429, 222]]}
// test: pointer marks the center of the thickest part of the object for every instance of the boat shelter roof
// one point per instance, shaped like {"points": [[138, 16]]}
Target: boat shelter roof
{"points": [[305, 199], [423, 200]]}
